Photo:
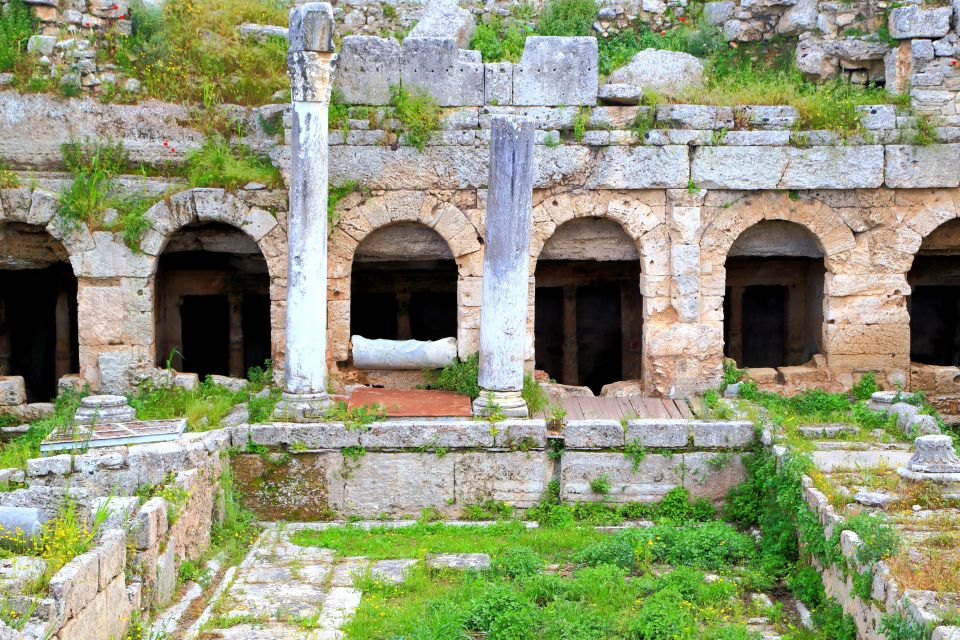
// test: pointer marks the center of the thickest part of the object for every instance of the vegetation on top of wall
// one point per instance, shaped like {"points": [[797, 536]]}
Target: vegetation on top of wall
{"points": [[182, 51], [460, 376], [205, 406], [218, 163], [749, 74], [93, 198]]}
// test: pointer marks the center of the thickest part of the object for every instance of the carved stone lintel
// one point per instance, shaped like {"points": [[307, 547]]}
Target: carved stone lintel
{"points": [[506, 403], [302, 407], [311, 76], [935, 454], [311, 27]]}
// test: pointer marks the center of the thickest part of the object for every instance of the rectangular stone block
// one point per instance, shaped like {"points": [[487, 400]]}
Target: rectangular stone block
{"points": [[658, 433], [324, 435], [654, 476], [149, 523], [695, 116], [112, 554], [392, 483], [770, 117], [915, 22], [640, 167], [76, 584], [765, 167], [451, 76], [13, 392], [518, 478], [420, 434], [527, 434], [557, 71], [712, 475], [723, 435], [917, 167], [498, 83], [592, 434], [367, 66]]}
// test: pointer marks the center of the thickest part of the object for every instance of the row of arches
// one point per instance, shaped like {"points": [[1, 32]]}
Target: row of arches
{"points": [[212, 299]]}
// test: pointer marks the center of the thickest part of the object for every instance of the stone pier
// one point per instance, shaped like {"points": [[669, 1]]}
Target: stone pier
{"points": [[310, 65], [506, 268]]}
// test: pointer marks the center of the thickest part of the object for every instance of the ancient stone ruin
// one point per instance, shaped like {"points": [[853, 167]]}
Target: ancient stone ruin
{"points": [[532, 288]]}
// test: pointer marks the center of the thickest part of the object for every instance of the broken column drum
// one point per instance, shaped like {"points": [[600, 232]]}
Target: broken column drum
{"points": [[105, 409], [506, 269], [310, 64]]}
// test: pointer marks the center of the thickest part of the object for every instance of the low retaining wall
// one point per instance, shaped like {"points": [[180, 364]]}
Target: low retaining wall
{"points": [[399, 467], [133, 565]]}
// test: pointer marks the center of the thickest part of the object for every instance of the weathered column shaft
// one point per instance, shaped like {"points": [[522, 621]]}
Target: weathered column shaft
{"points": [[506, 268], [309, 63]]}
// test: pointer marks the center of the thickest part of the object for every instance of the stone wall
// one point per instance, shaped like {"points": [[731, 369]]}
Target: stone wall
{"points": [[683, 190], [133, 565], [400, 467]]}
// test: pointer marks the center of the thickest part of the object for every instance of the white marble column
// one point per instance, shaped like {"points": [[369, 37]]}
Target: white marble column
{"points": [[310, 64], [506, 268]]}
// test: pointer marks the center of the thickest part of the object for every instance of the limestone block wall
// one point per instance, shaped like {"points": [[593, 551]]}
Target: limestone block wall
{"points": [[683, 190], [133, 565], [400, 467]]}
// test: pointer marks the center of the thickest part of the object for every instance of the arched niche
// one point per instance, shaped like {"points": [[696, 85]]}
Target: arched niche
{"points": [[403, 285], [212, 301], [38, 309], [588, 308], [773, 303]]}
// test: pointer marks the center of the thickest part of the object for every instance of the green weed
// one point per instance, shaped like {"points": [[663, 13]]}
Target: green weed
{"points": [[418, 114], [221, 164]]}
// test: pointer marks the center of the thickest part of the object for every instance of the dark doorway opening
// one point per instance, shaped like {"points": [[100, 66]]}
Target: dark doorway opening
{"points": [[935, 310], [773, 302], [589, 319], [38, 327], [213, 303], [404, 285]]}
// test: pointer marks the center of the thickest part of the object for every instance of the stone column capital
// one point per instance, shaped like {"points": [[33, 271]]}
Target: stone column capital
{"points": [[311, 75]]}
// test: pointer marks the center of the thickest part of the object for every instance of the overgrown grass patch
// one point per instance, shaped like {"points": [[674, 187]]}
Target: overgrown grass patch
{"points": [[16, 26], [218, 163], [17, 452], [192, 51]]}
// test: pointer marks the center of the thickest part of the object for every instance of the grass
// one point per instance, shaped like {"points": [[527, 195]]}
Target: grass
{"points": [[602, 585], [16, 27], [221, 164], [192, 50], [207, 405], [16, 453], [750, 74], [92, 195], [381, 543]]}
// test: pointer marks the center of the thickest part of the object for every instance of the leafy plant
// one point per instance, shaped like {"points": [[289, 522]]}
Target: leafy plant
{"points": [[460, 376], [898, 626], [568, 18], [517, 562], [533, 394], [500, 38], [16, 26], [418, 113], [600, 484], [221, 164]]}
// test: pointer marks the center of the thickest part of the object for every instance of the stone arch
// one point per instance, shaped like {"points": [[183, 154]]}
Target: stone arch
{"points": [[197, 207], [587, 251], [359, 218], [833, 235], [39, 333]]}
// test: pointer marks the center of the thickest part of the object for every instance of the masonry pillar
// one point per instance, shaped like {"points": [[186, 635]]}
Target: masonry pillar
{"points": [[506, 268], [310, 64]]}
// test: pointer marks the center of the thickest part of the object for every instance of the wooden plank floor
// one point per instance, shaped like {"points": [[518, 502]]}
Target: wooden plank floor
{"points": [[632, 407]]}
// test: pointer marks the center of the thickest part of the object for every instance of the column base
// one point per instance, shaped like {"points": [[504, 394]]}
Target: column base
{"points": [[504, 403], [302, 407]]}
